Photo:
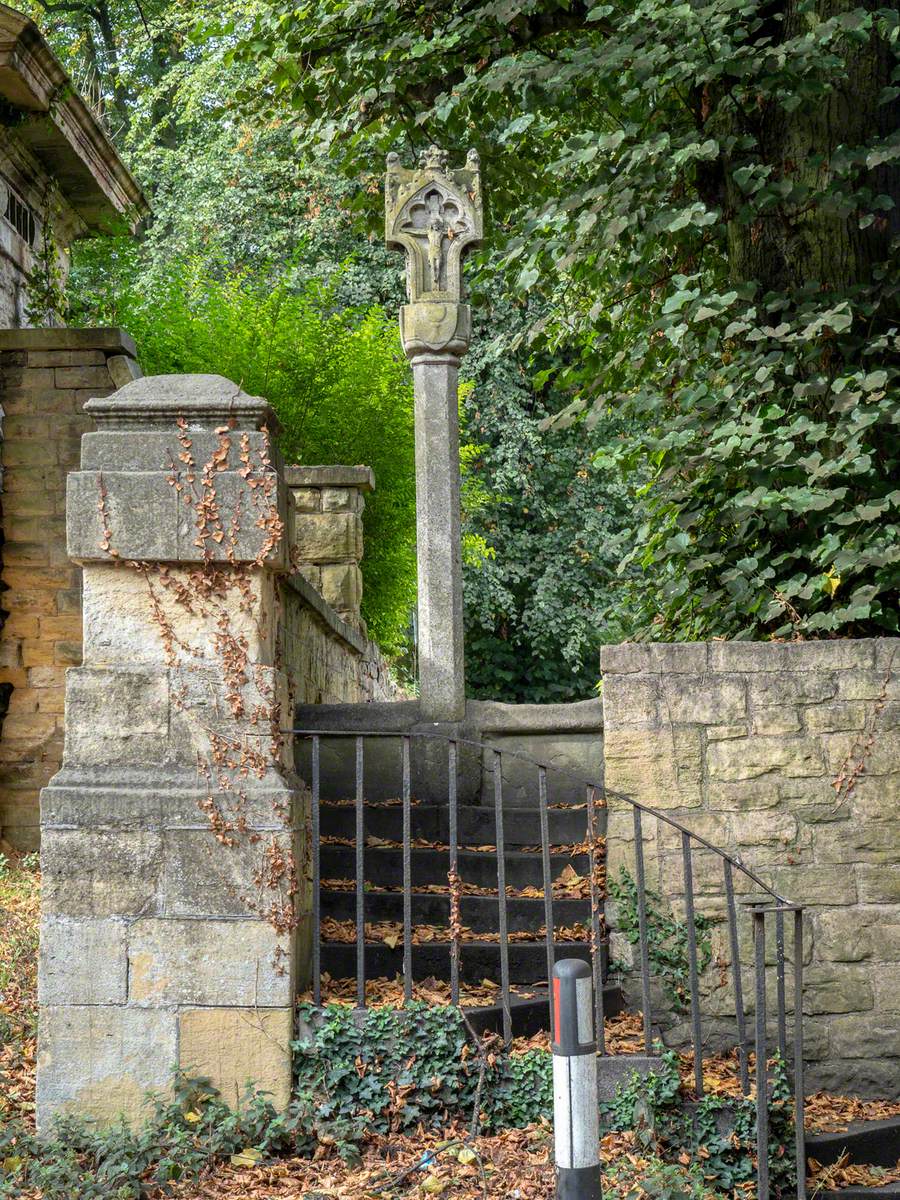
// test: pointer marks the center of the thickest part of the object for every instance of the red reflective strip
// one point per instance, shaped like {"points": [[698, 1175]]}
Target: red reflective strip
{"points": [[556, 1009]]}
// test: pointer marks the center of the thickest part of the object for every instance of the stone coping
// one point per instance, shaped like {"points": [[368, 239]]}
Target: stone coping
{"points": [[360, 477], [202, 400], [311, 598], [108, 338], [696, 658], [483, 717]]}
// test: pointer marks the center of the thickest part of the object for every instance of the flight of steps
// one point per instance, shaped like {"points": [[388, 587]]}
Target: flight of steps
{"points": [[480, 960]]}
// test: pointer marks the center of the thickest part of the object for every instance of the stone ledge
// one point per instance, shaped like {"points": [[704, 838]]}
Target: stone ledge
{"points": [[104, 338], [360, 477], [335, 624]]}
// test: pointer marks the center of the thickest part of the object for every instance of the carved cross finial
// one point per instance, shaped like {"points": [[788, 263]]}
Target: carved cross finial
{"points": [[435, 215], [434, 159]]}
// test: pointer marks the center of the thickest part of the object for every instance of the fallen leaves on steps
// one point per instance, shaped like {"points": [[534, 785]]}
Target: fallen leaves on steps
{"points": [[390, 933], [844, 1173]]}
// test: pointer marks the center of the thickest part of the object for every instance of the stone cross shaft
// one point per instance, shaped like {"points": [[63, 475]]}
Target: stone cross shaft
{"points": [[435, 215]]}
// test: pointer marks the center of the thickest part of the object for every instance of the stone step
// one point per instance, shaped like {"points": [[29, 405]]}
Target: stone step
{"points": [[532, 1015], [521, 826], [477, 912], [478, 960], [876, 1143], [384, 866]]}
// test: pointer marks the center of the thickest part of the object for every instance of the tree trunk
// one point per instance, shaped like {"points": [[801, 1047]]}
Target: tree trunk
{"points": [[790, 248]]}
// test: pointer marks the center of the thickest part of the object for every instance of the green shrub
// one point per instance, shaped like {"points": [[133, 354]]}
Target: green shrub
{"points": [[336, 378]]}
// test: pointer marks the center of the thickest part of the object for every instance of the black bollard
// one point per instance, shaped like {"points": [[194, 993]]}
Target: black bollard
{"points": [[576, 1119]]}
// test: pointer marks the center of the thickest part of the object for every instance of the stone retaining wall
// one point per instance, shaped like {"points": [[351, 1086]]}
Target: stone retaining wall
{"points": [[789, 755]]}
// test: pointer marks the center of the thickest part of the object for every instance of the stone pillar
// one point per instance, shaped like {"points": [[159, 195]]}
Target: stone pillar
{"points": [[173, 919], [328, 533], [435, 216], [46, 376]]}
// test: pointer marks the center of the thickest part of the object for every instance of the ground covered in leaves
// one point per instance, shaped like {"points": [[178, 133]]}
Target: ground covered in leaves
{"points": [[505, 1164]]}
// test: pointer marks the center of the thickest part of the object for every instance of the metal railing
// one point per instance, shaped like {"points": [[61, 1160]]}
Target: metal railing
{"points": [[596, 797]]}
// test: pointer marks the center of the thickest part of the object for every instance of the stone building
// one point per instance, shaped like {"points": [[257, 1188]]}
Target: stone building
{"points": [[60, 179], [60, 176]]}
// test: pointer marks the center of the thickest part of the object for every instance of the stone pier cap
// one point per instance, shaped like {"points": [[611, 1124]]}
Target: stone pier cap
{"points": [[181, 468]]}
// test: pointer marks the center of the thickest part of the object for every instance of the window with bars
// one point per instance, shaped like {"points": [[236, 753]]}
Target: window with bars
{"points": [[19, 214]]}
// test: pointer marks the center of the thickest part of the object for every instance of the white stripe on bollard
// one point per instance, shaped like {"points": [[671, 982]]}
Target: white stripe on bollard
{"points": [[576, 1120]]}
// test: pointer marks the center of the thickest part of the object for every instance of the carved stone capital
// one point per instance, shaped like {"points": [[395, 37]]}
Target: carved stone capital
{"points": [[435, 215], [431, 328]]}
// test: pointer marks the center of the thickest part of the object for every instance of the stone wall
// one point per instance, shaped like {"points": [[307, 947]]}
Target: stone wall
{"points": [[328, 533], [46, 376], [788, 755]]}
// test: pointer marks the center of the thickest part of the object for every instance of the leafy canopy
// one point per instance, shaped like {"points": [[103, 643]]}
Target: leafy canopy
{"points": [[699, 200]]}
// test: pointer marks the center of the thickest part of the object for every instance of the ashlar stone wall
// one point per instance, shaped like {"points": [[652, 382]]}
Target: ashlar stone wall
{"points": [[788, 755]]}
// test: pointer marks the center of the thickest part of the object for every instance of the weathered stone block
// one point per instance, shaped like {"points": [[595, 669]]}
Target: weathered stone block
{"points": [[82, 961], [838, 654], [709, 700], [835, 718], [338, 500], [813, 884], [764, 828], [232, 1047], [208, 962], [721, 733], [679, 657], [791, 688], [329, 537], [342, 586], [781, 719], [879, 885], [102, 1060], [868, 685], [83, 377], [117, 716], [98, 873], [630, 701], [838, 988], [857, 842], [844, 935], [732, 761], [887, 988], [202, 878], [307, 500], [624, 659], [663, 768], [746, 656]]}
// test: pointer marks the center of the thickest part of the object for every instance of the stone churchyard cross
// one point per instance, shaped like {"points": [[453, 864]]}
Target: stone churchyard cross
{"points": [[435, 215]]}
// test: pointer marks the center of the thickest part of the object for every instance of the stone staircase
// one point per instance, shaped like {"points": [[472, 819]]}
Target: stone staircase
{"points": [[478, 907]]}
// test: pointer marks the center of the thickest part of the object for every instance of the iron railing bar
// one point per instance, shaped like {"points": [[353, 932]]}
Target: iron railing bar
{"points": [[609, 794], [762, 1089], [738, 982], [360, 881], [642, 930], [696, 1029], [501, 896], [799, 1083], [454, 873], [596, 945], [407, 874], [780, 986], [548, 884], [316, 878]]}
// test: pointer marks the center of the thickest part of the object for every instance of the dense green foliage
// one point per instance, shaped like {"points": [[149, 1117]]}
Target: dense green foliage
{"points": [[334, 376], [699, 201], [231, 195]]}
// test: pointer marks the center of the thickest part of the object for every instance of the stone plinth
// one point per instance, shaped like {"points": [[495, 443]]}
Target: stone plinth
{"points": [[172, 835]]}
